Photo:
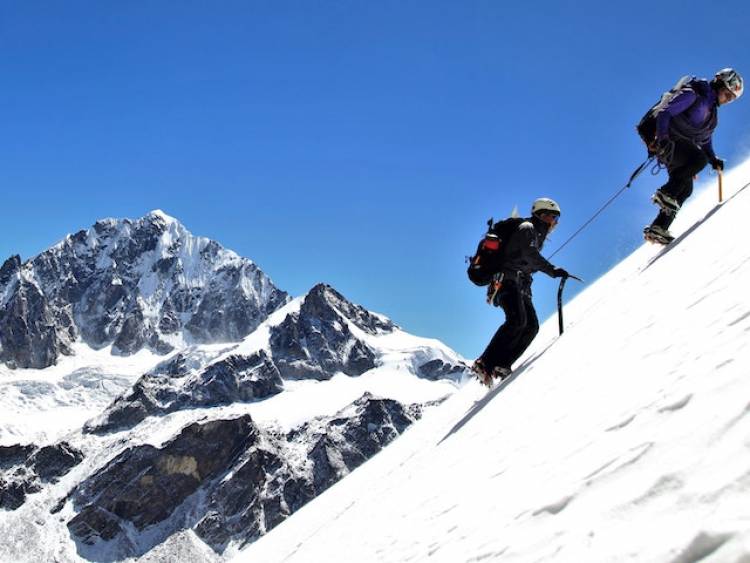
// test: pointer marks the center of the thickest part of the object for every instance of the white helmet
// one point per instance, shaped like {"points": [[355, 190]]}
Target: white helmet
{"points": [[732, 81], [545, 205]]}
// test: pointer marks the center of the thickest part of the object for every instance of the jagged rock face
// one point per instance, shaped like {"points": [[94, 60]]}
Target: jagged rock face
{"points": [[165, 476], [32, 332], [439, 369], [249, 503], [228, 310], [24, 469], [15, 484], [132, 284], [172, 386], [14, 455], [317, 342], [350, 439], [267, 488], [322, 300], [9, 268], [228, 480]]}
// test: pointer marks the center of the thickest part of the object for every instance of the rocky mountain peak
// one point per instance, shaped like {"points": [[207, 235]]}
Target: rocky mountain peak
{"points": [[130, 284], [323, 301], [9, 268]]}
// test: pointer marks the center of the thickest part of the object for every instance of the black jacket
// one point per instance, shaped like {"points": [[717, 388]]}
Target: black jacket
{"points": [[522, 252]]}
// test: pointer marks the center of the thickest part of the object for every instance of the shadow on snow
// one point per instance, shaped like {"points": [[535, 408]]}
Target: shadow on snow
{"points": [[492, 393], [697, 224]]}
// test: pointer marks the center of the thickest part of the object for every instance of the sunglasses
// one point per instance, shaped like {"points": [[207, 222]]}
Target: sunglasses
{"points": [[732, 96]]}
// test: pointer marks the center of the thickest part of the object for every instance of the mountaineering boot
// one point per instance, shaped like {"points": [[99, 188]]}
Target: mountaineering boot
{"points": [[654, 233], [500, 372], [480, 370], [667, 203]]}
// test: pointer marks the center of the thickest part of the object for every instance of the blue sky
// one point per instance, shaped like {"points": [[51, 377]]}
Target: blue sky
{"points": [[363, 144]]}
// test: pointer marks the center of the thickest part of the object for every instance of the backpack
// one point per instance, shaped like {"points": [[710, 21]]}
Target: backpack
{"points": [[490, 255], [647, 125]]}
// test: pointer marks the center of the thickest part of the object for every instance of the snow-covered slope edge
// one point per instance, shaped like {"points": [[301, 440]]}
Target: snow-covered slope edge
{"points": [[624, 440]]}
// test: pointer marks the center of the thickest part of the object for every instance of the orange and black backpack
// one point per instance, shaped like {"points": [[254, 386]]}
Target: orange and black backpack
{"points": [[490, 255]]}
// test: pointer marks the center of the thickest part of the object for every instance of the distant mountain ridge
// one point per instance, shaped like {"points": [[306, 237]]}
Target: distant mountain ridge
{"points": [[132, 284]]}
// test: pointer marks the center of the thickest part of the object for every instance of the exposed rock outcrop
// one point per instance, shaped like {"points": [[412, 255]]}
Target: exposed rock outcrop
{"points": [[318, 341], [115, 496], [228, 480], [24, 469], [172, 386]]}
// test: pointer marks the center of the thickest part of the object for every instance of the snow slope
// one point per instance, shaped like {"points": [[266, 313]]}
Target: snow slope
{"points": [[626, 439]]}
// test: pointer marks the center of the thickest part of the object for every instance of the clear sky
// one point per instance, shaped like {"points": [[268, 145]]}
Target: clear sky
{"points": [[363, 144]]}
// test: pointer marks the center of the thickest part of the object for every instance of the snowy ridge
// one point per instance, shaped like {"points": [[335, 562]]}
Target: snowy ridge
{"points": [[623, 440], [320, 336]]}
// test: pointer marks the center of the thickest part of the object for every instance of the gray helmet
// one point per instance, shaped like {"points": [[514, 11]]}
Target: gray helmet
{"points": [[545, 205], [732, 81]]}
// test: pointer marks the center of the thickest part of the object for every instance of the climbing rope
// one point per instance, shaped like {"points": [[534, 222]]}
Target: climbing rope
{"points": [[658, 165]]}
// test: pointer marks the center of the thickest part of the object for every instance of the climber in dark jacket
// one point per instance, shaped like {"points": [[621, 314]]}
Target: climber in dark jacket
{"points": [[685, 123], [511, 290]]}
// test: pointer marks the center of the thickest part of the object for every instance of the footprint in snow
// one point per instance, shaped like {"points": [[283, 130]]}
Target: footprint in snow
{"points": [[734, 421], [739, 319], [622, 424], [555, 507], [633, 455], [665, 484], [727, 362], [677, 405], [703, 545]]}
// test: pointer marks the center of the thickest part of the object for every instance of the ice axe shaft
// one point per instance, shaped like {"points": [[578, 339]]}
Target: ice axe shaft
{"points": [[560, 299], [560, 303]]}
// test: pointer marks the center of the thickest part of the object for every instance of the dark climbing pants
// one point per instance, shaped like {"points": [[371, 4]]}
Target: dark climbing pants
{"points": [[520, 327], [687, 161]]}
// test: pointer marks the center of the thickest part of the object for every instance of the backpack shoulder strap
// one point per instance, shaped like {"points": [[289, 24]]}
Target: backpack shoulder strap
{"points": [[687, 82]]}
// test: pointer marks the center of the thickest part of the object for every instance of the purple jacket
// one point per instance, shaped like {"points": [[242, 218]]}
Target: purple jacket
{"points": [[690, 115]]}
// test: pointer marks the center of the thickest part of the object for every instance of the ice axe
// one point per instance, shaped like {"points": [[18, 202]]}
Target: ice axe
{"points": [[559, 299]]}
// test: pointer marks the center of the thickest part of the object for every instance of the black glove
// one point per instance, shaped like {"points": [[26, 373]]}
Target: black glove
{"points": [[717, 163], [560, 273]]}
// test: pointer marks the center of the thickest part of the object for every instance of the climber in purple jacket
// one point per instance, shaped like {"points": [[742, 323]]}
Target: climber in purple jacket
{"points": [[685, 120]]}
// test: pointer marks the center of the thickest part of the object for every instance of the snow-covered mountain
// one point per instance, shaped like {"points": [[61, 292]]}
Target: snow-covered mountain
{"points": [[129, 284], [316, 337], [625, 439], [188, 450]]}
